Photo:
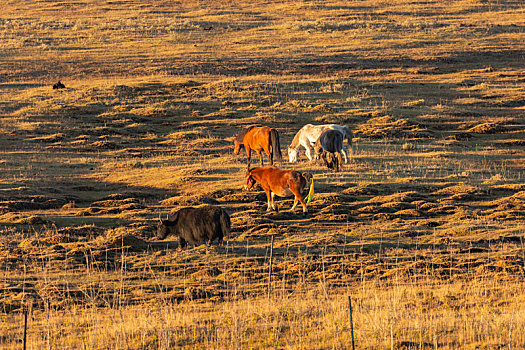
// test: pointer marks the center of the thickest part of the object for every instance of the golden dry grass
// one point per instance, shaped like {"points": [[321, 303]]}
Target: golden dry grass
{"points": [[423, 229]]}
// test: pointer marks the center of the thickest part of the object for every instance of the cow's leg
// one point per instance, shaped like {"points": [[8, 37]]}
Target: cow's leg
{"points": [[273, 202], [182, 243]]}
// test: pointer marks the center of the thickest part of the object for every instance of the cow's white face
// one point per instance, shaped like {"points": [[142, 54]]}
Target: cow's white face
{"points": [[292, 155]]}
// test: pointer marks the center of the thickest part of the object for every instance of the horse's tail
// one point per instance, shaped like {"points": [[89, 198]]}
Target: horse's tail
{"points": [[275, 145], [338, 143], [309, 196], [349, 137]]}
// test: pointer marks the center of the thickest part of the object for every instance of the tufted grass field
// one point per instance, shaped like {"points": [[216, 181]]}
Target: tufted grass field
{"points": [[424, 228]]}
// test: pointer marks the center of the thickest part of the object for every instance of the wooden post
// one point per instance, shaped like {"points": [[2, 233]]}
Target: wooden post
{"points": [[25, 329], [351, 322], [270, 269]]}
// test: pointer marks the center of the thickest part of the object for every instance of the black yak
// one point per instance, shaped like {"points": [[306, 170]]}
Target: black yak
{"points": [[58, 85], [196, 224]]}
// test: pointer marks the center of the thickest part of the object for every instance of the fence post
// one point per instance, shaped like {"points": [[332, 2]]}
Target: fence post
{"points": [[25, 328], [351, 322], [270, 269]]}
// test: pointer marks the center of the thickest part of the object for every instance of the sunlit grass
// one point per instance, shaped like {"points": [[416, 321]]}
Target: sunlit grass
{"points": [[423, 228]]}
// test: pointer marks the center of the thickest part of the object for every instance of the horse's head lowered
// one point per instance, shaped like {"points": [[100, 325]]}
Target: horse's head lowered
{"points": [[249, 181], [292, 155], [238, 141], [318, 149], [237, 146]]}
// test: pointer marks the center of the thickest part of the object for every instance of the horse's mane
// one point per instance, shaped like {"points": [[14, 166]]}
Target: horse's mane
{"points": [[295, 141], [348, 133], [240, 136]]}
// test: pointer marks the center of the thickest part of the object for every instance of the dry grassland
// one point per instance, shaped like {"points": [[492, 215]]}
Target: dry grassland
{"points": [[424, 229]]}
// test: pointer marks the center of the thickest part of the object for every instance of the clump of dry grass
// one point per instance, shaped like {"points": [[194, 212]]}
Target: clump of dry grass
{"points": [[387, 127], [427, 240], [486, 128], [312, 318]]}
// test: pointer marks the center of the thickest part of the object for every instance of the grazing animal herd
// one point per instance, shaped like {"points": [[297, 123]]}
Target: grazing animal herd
{"points": [[207, 223], [308, 136], [325, 142]]}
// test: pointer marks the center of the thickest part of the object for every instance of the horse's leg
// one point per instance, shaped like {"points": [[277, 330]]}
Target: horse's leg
{"points": [[269, 197], [343, 151], [308, 151], [300, 198], [249, 154], [273, 202], [296, 190], [295, 201], [339, 161], [350, 147], [260, 157], [325, 157], [269, 153]]}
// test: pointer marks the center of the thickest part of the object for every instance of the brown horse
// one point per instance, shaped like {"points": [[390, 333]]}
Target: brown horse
{"points": [[280, 182], [258, 138]]}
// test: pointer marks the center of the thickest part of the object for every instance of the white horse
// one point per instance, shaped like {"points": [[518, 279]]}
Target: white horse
{"points": [[309, 133]]}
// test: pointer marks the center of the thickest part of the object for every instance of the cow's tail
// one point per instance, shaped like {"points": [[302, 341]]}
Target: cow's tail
{"points": [[275, 145], [225, 223], [310, 195]]}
